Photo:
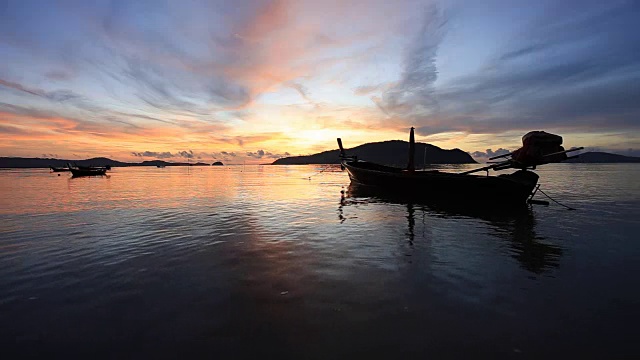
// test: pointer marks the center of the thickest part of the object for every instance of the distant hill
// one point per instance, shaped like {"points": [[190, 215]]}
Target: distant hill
{"points": [[394, 152], [18, 162], [603, 157]]}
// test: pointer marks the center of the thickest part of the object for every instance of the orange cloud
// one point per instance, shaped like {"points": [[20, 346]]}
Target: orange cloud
{"points": [[31, 135]]}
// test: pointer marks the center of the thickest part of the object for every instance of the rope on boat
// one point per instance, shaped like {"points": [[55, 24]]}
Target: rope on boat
{"points": [[552, 199], [307, 177], [317, 173]]}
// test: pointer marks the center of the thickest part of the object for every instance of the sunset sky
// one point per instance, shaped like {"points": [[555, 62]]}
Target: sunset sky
{"points": [[253, 81]]}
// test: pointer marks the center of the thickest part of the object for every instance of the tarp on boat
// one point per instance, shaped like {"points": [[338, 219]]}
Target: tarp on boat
{"points": [[538, 147]]}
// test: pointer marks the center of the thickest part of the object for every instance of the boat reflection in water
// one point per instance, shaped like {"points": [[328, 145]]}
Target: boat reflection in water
{"points": [[515, 225]]}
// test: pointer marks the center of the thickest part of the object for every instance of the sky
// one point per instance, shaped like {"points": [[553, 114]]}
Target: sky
{"points": [[251, 81]]}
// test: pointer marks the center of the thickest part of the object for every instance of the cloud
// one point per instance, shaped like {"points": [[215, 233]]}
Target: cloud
{"points": [[414, 93], [190, 154], [12, 130], [564, 74], [228, 95], [167, 71], [220, 75], [58, 75], [17, 110], [304, 93], [145, 117], [34, 125], [154, 154], [19, 87], [95, 119], [51, 124], [56, 95], [63, 96], [155, 90], [275, 155], [489, 153], [145, 69], [186, 154], [367, 89], [258, 154], [243, 140]]}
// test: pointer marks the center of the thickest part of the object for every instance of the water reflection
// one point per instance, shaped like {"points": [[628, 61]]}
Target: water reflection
{"points": [[412, 222], [515, 226]]}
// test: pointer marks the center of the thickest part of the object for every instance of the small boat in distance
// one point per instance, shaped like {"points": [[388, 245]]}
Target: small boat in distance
{"points": [[515, 189], [90, 167], [87, 171]]}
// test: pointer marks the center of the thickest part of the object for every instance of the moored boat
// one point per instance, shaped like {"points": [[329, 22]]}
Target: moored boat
{"points": [[87, 171], [442, 186], [516, 188], [106, 167]]}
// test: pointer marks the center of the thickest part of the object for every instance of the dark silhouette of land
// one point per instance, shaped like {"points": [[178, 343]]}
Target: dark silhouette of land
{"points": [[603, 157], [392, 152], [388, 153], [18, 162]]}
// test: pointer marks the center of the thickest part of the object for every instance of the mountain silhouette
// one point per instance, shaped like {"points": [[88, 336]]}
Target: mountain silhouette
{"points": [[19, 162], [603, 157], [393, 152]]}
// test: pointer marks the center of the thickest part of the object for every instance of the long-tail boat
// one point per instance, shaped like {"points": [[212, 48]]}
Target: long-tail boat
{"points": [[91, 167], [87, 171], [517, 188]]}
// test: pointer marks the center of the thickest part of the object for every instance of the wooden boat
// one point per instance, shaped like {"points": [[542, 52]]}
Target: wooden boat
{"points": [[461, 188], [106, 167], [87, 171], [440, 186]]}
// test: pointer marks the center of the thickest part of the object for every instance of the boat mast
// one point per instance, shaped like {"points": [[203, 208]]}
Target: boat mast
{"points": [[412, 150], [424, 160]]}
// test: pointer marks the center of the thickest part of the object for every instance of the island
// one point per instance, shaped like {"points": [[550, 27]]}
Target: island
{"points": [[603, 157], [19, 162], [393, 153]]}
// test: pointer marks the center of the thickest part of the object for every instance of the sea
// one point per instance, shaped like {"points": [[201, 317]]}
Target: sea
{"points": [[289, 262]]}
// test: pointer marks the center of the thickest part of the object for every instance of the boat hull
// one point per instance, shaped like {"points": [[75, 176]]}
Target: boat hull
{"points": [[92, 172], [511, 189]]}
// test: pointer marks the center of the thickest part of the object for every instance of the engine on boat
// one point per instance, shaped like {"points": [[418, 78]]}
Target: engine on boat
{"points": [[539, 147]]}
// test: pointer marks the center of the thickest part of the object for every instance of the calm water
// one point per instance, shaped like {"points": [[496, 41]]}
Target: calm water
{"points": [[261, 260]]}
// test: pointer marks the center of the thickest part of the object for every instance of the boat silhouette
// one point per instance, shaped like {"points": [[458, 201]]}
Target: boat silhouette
{"points": [[506, 190]]}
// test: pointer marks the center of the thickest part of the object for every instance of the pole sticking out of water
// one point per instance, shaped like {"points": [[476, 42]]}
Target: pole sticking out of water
{"points": [[424, 160], [412, 152]]}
